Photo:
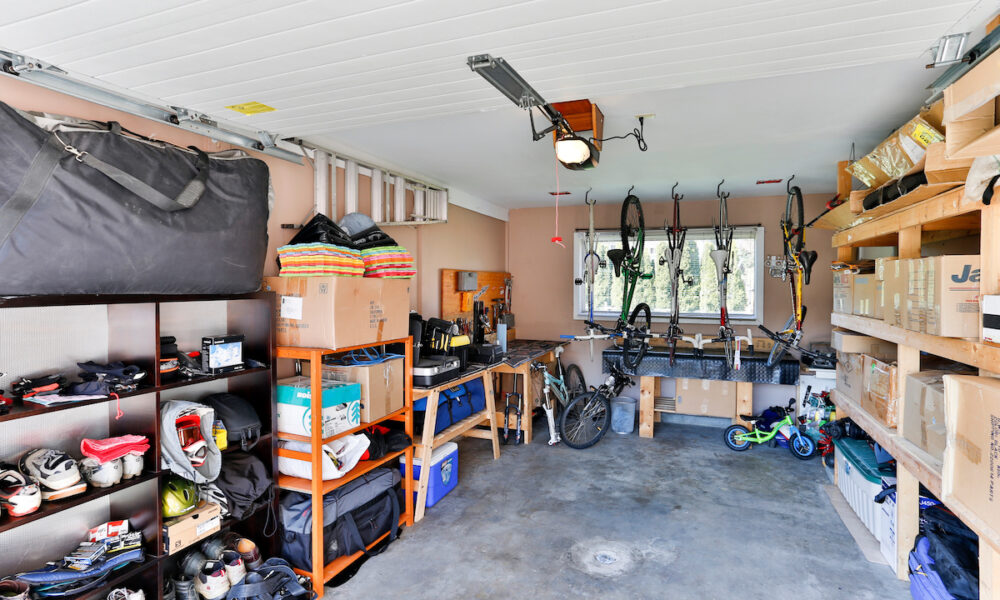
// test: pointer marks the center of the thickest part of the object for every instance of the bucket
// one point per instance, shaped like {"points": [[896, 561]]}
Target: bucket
{"points": [[623, 414]]}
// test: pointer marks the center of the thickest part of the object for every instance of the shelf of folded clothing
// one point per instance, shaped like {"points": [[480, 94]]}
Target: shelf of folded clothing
{"points": [[393, 416], [49, 508], [298, 484]]}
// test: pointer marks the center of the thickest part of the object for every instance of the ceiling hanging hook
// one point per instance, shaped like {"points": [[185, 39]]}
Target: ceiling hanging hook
{"points": [[718, 190], [673, 194], [788, 186], [629, 193], [586, 198]]}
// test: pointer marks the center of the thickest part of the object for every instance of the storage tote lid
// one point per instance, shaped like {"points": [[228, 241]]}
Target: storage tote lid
{"points": [[439, 454]]}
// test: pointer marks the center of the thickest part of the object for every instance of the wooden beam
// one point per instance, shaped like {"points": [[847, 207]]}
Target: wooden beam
{"points": [[847, 254], [744, 402], [942, 206], [907, 518], [647, 386], [909, 242], [989, 571]]}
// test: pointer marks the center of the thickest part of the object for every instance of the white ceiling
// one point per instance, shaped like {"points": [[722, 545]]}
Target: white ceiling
{"points": [[742, 90]]}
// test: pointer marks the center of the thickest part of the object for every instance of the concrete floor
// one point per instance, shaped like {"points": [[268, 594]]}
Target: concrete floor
{"points": [[683, 516]]}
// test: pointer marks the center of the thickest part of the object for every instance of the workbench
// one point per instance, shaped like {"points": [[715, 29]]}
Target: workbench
{"points": [[520, 355], [425, 444], [706, 365]]}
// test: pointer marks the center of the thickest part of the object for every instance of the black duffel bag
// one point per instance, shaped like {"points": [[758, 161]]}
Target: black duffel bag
{"points": [[88, 207], [358, 529]]}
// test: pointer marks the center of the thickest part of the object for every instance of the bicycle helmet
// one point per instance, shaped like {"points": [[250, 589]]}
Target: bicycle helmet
{"points": [[18, 494], [179, 496], [192, 442], [211, 493], [132, 464], [102, 474], [55, 471]]}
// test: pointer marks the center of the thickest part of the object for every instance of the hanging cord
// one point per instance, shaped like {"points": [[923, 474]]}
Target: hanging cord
{"points": [[636, 133], [366, 356], [556, 239], [118, 406], [271, 520]]}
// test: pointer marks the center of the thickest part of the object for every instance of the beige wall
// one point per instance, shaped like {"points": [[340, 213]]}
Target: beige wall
{"points": [[543, 272], [468, 241]]}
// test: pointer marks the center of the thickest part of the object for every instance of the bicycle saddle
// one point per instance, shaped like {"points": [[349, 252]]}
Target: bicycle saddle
{"points": [[538, 366], [617, 256], [751, 418], [807, 258]]}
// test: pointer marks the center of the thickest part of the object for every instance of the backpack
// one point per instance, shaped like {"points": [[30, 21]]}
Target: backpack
{"points": [[954, 549], [245, 483], [274, 580], [925, 583], [241, 420]]}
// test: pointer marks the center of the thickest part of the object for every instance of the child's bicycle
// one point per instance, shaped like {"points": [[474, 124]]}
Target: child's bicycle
{"points": [[739, 438]]}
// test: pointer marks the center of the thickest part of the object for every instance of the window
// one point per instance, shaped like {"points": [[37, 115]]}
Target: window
{"points": [[699, 302]]}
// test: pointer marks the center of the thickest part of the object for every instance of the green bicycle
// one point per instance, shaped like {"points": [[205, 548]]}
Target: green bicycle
{"points": [[739, 438], [634, 326]]}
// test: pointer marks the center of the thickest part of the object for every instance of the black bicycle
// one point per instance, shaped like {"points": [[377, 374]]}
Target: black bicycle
{"points": [[672, 255], [588, 417]]}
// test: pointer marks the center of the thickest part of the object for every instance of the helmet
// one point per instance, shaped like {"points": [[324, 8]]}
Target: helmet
{"points": [[179, 496], [131, 465], [192, 442], [55, 471], [211, 493], [102, 474], [18, 494]]}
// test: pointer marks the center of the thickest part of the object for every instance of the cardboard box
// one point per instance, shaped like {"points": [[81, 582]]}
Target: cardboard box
{"points": [[971, 474], [879, 293], [897, 154], [181, 532], [991, 319], [381, 387], [338, 312], [850, 382], [706, 397], [341, 406], [951, 305], [843, 292], [941, 169], [849, 342], [923, 419], [915, 295], [881, 264], [881, 395], [864, 295], [894, 288]]}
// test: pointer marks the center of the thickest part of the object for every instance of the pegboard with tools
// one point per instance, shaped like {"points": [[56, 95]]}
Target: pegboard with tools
{"points": [[457, 304]]}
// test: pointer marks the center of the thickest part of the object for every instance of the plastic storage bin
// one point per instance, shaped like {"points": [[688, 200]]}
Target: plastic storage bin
{"points": [[341, 406], [623, 415], [860, 480], [443, 472]]}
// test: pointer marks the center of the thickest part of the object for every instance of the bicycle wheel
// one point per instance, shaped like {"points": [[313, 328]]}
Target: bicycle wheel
{"points": [[585, 420], [779, 349], [634, 347], [632, 228], [802, 446], [793, 219], [729, 345], [576, 385], [730, 436]]}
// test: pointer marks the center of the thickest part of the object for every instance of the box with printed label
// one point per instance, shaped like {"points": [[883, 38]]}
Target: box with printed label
{"points": [[880, 395], [894, 289], [381, 386], [339, 312], [916, 294], [864, 296], [880, 266], [991, 319], [843, 292], [971, 473], [706, 397], [849, 370], [181, 532], [341, 406], [951, 305], [923, 420]]}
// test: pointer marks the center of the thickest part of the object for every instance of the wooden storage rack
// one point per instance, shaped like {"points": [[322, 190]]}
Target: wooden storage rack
{"points": [[947, 215], [316, 487], [134, 328]]}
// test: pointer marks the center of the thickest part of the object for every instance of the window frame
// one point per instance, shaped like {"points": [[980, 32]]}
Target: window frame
{"points": [[579, 308]]}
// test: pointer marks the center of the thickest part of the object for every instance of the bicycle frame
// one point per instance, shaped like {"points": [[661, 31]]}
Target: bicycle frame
{"points": [[672, 256], [758, 436], [793, 267], [632, 272]]}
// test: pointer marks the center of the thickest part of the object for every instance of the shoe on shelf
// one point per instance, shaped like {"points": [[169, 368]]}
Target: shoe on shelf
{"points": [[212, 583], [250, 553], [213, 547], [184, 588], [192, 563], [235, 569], [168, 590]]}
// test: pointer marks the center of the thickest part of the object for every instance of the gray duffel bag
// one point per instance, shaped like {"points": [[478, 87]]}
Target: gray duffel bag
{"points": [[90, 208]]}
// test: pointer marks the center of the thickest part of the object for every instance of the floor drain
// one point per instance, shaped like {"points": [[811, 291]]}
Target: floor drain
{"points": [[606, 558]]}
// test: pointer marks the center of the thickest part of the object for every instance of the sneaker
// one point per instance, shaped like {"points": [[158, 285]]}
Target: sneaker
{"points": [[11, 589], [168, 590], [192, 563], [212, 582], [250, 553], [126, 594], [213, 547], [235, 569], [184, 588]]}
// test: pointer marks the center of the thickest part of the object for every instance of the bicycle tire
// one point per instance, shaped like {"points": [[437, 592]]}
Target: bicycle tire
{"points": [[576, 385], [729, 346], [634, 349], [585, 420], [794, 218], [779, 349], [632, 228]]}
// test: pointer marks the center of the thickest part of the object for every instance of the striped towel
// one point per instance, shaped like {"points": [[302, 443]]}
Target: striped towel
{"points": [[305, 260], [390, 262]]}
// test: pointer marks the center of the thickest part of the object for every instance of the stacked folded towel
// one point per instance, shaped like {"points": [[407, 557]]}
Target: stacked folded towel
{"points": [[303, 260], [390, 262]]}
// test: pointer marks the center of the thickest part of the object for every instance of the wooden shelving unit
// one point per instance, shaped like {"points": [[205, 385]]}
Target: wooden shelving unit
{"points": [[909, 226], [316, 486], [133, 327]]}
